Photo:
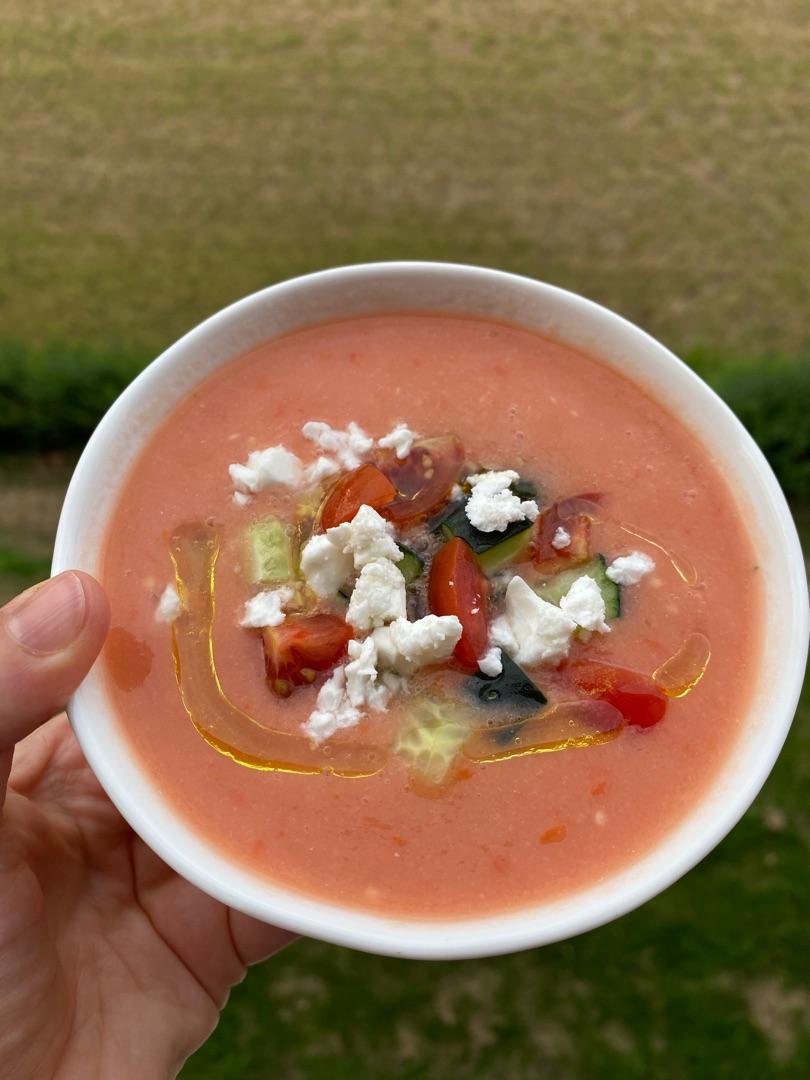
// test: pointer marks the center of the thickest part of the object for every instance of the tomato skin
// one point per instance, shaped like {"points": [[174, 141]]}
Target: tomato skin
{"points": [[573, 515], [457, 586], [423, 479], [363, 486], [301, 645], [636, 696]]}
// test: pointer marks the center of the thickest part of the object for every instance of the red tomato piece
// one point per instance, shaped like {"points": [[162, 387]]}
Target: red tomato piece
{"points": [[636, 696], [458, 587], [573, 515], [363, 486], [301, 646], [423, 479]]}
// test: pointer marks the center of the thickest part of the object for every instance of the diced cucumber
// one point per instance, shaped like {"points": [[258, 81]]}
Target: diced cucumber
{"points": [[456, 523], [524, 489], [556, 587], [511, 695], [269, 551], [512, 689], [410, 565], [500, 555], [430, 741]]}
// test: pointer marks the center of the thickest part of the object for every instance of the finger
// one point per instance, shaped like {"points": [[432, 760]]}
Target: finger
{"points": [[254, 940], [49, 638]]}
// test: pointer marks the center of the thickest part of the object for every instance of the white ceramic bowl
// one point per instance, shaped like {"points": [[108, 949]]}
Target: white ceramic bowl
{"points": [[444, 288]]}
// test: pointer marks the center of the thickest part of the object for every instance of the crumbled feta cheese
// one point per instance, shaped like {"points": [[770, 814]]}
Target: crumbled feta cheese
{"points": [[241, 499], [378, 597], [561, 539], [531, 629], [273, 467], [321, 469], [492, 506], [348, 446], [169, 606], [367, 537], [333, 709], [630, 569], [491, 663], [586, 605], [400, 439], [403, 646], [265, 608], [326, 568], [362, 686]]}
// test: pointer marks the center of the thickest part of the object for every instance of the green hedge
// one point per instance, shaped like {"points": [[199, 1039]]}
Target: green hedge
{"points": [[772, 398], [51, 398]]}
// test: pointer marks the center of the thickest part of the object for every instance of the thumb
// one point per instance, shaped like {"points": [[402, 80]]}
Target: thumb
{"points": [[49, 638]]}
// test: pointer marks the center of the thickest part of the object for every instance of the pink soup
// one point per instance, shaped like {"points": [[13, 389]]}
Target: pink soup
{"points": [[497, 834]]}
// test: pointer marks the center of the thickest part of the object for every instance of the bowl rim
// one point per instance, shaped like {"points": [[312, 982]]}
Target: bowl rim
{"points": [[184, 850]]}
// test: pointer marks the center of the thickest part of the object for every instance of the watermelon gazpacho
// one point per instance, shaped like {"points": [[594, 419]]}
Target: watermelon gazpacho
{"points": [[392, 606]]}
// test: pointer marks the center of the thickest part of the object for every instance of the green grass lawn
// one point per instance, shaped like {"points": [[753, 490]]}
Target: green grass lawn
{"points": [[161, 159]]}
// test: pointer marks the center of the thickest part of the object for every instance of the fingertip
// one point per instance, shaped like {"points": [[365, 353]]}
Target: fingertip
{"points": [[97, 608], [49, 638]]}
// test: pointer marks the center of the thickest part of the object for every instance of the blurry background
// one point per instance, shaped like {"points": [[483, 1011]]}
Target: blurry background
{"points": [[160, 159]]}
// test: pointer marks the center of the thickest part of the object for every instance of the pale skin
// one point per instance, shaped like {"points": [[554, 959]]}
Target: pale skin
{"points": [[110, 964]]}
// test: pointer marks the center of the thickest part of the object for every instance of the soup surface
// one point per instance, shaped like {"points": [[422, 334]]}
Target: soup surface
{"points": [[495, 834]]}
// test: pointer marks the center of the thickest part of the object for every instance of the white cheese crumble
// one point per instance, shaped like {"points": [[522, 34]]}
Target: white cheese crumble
{"points": [[362, 686], [562, 539], [586, 605], [400, 439], [348, 446], [320, 470], [630, 569], [273, 467], [403, 646], [492, 506], [333, 709], [265, 608], [531, 629], [378, 597], [491, 662], [367, 537], [169, 606], [325, 567]]}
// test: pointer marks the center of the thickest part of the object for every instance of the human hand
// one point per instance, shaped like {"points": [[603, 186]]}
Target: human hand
{"points": [[111, 965]]}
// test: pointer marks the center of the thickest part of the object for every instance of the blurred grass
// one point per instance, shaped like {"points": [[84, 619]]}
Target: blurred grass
{"points": [[162, 159]]}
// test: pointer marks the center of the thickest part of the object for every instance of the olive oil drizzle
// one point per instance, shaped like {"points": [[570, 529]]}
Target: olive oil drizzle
{"points": [[684, 569], [563, 726], [194, 548], [683, 671]]}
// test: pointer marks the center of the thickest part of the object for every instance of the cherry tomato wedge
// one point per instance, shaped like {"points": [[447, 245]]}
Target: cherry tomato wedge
{"points": [[365, 485], [301, 646], [573, 515], [423, 480], [458, 587], [636, 696]]}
